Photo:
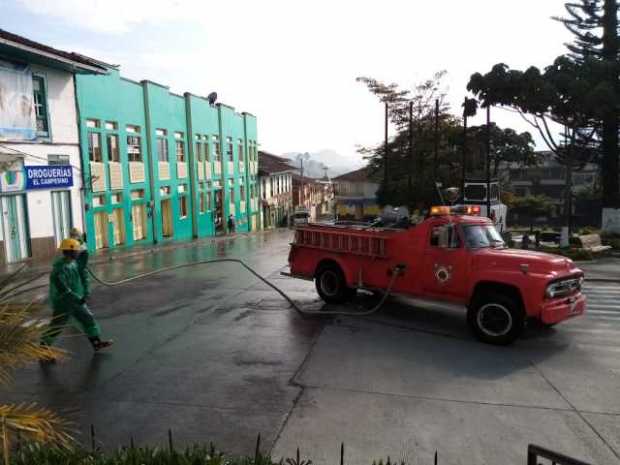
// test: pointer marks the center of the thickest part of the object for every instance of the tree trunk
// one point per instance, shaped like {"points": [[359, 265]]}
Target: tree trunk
{"points": [[609, 166]]}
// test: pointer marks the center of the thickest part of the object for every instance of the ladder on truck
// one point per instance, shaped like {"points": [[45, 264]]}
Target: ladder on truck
{"points": [[355, 243]]}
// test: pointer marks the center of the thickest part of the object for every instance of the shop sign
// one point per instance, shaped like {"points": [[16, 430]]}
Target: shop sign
{"points": [[48, 176], [12, 176]]}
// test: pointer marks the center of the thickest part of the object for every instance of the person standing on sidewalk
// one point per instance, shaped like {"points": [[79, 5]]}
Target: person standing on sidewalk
{"points": [[231, 224], [68, 298]]}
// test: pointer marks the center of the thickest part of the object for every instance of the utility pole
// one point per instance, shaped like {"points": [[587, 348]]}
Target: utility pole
{"points": [[386, 171], [489, 161], [410, 178], [435, 166], [464, 161]]}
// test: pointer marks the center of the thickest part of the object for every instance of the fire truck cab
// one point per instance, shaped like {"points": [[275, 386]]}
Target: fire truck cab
{"points": [[451, 258]]}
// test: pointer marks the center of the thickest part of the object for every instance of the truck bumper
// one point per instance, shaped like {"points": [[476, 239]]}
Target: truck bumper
{"points": [[562, 309]]}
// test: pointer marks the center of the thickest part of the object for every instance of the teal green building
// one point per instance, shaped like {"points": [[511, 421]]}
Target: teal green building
{"points": [[158, 166]]}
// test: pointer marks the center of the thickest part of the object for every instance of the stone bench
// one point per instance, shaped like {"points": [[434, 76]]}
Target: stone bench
{"points": [[592, 243]]}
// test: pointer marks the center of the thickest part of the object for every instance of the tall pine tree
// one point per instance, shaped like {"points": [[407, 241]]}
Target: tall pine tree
{"points": [[594, 23]]}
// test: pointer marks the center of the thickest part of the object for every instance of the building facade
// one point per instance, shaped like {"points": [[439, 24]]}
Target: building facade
{"points": [[549, 178], [356, 195], [314, 195], [159, 166], [40, 172], [276, 190]]}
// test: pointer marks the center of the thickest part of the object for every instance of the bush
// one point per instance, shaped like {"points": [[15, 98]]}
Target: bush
{"points": [[36, 454]]}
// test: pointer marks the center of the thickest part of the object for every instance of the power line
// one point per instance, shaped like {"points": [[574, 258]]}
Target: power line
{"points": [[37, 157]]}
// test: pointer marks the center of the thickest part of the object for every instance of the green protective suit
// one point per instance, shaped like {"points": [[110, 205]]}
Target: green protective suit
{"points": [[67, 291]]}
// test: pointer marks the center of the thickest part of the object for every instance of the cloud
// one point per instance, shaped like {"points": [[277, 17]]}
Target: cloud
{"points": [[112, 16]]}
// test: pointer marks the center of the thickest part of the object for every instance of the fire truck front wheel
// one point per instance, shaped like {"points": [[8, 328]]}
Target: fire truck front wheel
{"points": [[332, 286], [496, 318]]}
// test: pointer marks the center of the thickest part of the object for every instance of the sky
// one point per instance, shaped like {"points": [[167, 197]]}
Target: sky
{"points": [[293, 63]]}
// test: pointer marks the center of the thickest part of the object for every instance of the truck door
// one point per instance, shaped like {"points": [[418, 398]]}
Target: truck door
{"points": [[445, 264]]}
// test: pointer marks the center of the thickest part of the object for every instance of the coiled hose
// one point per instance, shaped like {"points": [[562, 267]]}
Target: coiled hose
{"points": [[364, 312]]}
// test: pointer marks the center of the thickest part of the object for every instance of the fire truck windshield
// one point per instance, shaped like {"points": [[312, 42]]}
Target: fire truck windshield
{"points": [[479, 236]]}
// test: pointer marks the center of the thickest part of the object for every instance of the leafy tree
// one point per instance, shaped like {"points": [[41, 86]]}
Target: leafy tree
{"points": [[413, 169], [531, 207], [507, 146], [594, 23]]}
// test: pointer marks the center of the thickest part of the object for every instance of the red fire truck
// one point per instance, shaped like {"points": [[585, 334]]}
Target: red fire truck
{"points": [[451, 258]]}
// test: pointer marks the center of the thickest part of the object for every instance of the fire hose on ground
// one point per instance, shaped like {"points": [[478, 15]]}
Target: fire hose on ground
{"points": [[397, 271]]}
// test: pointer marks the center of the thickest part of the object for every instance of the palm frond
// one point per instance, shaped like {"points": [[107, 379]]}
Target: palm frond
{"points": [[20, 334], [35, 423]]}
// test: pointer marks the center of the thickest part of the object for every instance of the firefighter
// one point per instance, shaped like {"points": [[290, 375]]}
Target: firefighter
{"points": [[68, 298], [82, 260]]}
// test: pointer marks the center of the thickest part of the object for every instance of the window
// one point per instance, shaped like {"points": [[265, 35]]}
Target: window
{"points": [[40, 105], [264, 189], [240, 152], [133, 129], [242, 193], [199, 151], [183, 206], [162, 145], [117, 197], [58, 160], [181, 188], [208, 199], [94, 147], [98, 200], [134, 150], [229, 149], [202, 204], [217, 148], [180, 146], [206, 151], [165, 190], [111, 126], [232, 195], [137, 194], [113, 151], [270, 187], [92, 123], [481, 236]]}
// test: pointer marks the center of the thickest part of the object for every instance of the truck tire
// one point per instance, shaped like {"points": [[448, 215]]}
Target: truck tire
{"points": [[332, 286], [496, 318]]}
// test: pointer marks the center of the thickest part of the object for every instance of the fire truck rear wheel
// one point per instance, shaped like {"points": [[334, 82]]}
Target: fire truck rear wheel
{"points": [[332, 286], [496, 318]]}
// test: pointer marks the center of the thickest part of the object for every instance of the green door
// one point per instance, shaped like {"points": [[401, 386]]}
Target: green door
{"points": [[14, 225]]}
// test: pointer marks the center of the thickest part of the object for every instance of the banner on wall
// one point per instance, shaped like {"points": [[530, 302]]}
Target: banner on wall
{"points": [[17, 117], [48, 177]]}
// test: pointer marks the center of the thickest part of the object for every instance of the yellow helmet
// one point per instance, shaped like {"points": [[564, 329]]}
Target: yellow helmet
{"points": [[69, 244]]}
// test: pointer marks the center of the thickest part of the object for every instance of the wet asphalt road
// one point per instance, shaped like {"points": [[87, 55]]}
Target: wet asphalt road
{"points": [[208, 352], [215, 355]]}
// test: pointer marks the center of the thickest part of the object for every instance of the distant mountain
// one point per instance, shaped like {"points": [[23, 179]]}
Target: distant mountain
{"points": [[335, 163]]}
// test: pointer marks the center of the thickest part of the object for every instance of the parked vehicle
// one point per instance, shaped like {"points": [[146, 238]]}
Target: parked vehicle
{"points": [[301, 217], [451, 259]]}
